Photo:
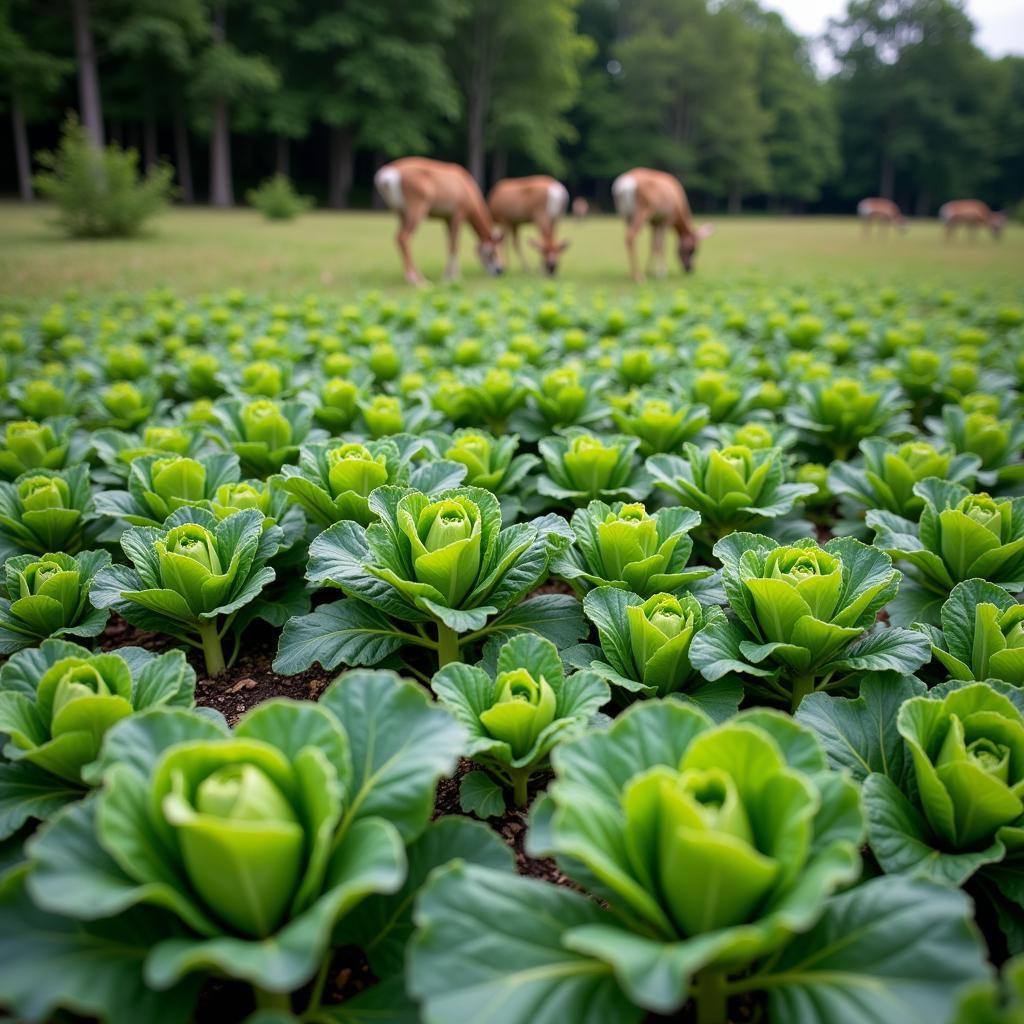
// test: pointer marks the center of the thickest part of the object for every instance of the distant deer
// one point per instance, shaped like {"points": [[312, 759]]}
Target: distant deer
{"points": [[580, 208], [644, 196], [972, 213], [539, 200], [415, 187], [881, 212]]}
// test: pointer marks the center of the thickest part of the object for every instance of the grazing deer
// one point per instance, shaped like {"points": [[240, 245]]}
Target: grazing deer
{"points": [[580, 207], [538, 200], [972, 213], [880, 211], [644, 196], [416, 187]]}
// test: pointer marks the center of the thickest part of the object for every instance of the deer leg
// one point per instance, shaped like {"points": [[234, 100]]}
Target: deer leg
{"points": [[409, 223], [451, 271], [658, 248], [518, 246], [634, 228]]}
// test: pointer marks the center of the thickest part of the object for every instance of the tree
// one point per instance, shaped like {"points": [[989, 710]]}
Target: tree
{"points": [[88, 73]]}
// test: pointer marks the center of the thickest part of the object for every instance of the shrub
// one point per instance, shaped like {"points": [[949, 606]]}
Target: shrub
{"points": [[277, 199]]}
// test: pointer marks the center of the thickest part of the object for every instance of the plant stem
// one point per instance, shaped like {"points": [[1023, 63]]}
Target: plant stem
{"points": [[447, 645], [520, 796], [213, 653], [802, 685], [711, 997], [272, 1000]]}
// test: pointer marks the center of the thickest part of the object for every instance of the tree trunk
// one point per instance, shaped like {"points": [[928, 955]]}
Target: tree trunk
{"points": [[88, 75], [735, 199], [479, 100], [282, 155], [887, 178], [341, 159], [183, 157], [376, 199], [221, 190], [21, 151], [150, 145], [924, 202], [499, 164]]}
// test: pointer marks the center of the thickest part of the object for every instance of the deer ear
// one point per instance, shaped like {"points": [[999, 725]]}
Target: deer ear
{"points": [[535, 244], [564, 245], [705, 231]]}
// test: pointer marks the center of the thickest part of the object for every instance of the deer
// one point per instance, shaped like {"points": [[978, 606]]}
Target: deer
{"points": [[880, 211], [644, 196], [538, 199], [417, 187], [580, 208], [972, 213]]}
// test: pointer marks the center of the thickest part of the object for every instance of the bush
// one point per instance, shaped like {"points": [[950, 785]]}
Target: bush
{"points": [[276, 199], [100, 193]]}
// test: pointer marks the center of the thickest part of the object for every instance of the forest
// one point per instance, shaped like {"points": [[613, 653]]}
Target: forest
{"points": [[897, 100]]}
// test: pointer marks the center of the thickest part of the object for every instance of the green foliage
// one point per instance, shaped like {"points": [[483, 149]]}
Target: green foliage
{"points": [[277, 199], [99, 193]]}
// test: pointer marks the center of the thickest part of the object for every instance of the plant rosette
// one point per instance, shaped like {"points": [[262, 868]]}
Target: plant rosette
{"points": [[625, 546], [49, 444], [263, 434], [662, 424], [48, 596], [46, 510], [57, 702], [581, 467], [733, 488], [804, 617], [516, 718], [240, 853], [190, 577], [981, 635], [960, 536], [334, 479], [713, 853], [998, 444], [442, 565]]}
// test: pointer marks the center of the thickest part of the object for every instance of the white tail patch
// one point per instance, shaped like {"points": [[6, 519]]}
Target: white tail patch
{"points": [[705, 231], [945, 212], [863, 208], [389, 184], [624, 194], [558, 200]]}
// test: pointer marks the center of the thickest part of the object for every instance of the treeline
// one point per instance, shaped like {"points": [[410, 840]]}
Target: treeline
{"points": [[724, 94]]}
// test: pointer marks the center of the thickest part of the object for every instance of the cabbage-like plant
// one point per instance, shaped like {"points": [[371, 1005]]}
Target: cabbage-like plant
{"points": [[161, 484], [566, 396], [46, 510], [997, 443], [981, 635], [999, 1001], [57, 702], [118, 449], [491, 463], [124, 404], [263, 434], [959, 536], [625, 546], [48, 596], [661, 424], [442, 565], [803, 617], [516, 718], [333, 480], [241, 854], [889, 471], [580, 467], [28, 445], [835, 415], [733, 488], [714, 853], [336, 404], [190, 577]]}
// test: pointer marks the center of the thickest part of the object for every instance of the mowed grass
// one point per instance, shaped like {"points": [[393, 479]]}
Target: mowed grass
{"points": [[197, 250]]}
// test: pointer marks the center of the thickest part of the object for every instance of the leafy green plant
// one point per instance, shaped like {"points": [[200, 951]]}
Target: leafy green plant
{"points": [[191, 576], [277, 199], [733, 488], [516, 718], [661, 424], [999, 1002], [262, 433], [445, 562], [99, 192], [48, 596], [715, 851], [308, 809], [981, 634], [333, 481], [57, 702], [492, 463], [625, 546], [46, 510], [579, 468], [960, 536], [803, 617], [997, 443], [29, 445]]}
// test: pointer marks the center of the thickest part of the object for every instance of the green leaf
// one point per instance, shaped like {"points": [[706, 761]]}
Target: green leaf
{"points": [[884, 650], [859, 734], [479, 794], [892, 949], [489, 950], [556, 617], [28, 792]]}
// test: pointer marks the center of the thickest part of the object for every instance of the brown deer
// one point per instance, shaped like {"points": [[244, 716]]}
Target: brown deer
{"points": [[539, 200], [580, 208], [881, 212], [644, 196], [972, 213], [415, 187]]}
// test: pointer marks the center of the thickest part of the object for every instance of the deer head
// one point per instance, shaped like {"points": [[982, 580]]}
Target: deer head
{"points": [[550, 251], [688, 242]]}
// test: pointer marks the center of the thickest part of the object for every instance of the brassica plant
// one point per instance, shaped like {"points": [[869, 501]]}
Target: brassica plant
{"points": [[803, 616], [516, 718], [28, 445], [997, 443], [581, 467], [46, 510], [190, 577], [492, 463], [48, 596], [661, 424], [263, 434]]}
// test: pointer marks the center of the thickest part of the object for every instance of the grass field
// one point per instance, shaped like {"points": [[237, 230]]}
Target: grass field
{"points": [[197, 250]]}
